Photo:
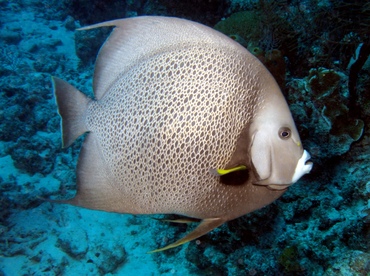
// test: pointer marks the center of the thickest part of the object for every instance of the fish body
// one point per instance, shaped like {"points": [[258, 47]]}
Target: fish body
{"points": [[175, 102]]}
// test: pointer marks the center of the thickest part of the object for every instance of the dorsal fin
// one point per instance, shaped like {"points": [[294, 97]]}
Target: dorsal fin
{"points": [[138, 38], [72, 106]]}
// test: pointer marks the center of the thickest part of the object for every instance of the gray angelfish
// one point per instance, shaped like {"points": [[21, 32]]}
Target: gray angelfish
{"points": [[184, 121]]}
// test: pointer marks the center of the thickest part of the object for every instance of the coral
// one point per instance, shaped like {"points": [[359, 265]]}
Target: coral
{"points": [[258, 52], [275, 63], [351, 263], [10, 36], [244, 24], [322, 82], [354, 70], [74, 242], [108, 257], [25, 106], [324, 96], [269, 45], [263, 26], [92, 12], [192, 255], [11, 60], [206, 12], [324, 85], [239, 39], [70, 23], [289, 259], [49, 265], [34, 155], [322, 223], [94, 39], [341, 123], [7, 186], [44, 65]]}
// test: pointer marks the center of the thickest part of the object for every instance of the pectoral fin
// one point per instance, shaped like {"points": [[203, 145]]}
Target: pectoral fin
{"points": [[261, 155], [203, 228], [221, 172]]}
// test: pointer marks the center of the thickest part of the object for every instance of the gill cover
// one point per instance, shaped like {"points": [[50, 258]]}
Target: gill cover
{"points": [[261, 154], [276, 152]]}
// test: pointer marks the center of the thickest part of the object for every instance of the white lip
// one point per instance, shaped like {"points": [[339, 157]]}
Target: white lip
{"points": [[303, 167]]}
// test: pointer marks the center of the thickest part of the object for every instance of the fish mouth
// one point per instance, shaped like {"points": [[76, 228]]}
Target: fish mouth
{"points": [[303, 167], [307, 163]]}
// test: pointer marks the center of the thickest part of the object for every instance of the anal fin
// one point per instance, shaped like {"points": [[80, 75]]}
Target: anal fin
{"points": [[95, 186], [203, 228]]}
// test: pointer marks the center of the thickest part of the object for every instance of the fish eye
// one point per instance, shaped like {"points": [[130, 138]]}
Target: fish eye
{"points": [[284, 133]]}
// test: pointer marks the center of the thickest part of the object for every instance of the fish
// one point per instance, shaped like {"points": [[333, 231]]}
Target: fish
{"points": [[184, 120]]}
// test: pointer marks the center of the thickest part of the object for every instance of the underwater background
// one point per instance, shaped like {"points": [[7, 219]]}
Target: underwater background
{"points": [[318, 51]]}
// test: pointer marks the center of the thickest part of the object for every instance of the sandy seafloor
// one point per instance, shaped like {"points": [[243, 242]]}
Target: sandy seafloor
{"points": [[43, 238]]}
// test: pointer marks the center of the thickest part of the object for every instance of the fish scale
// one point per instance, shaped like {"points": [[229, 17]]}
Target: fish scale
{"points": [[182, 124], [182, 135]]}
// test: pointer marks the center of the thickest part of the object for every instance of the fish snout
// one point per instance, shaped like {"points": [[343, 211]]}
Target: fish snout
{"points": [[304, 166]]}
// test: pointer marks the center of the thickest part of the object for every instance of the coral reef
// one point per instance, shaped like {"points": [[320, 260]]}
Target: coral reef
{"points": [[321, 226], [266, 34], [322, 101]]}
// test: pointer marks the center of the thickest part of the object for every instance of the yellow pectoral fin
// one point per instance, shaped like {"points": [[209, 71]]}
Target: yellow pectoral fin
{"points": [[220, 172], [203, 228]]}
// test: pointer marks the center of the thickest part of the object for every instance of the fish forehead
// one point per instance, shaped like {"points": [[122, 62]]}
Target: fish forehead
{"points": [[165, 122]]}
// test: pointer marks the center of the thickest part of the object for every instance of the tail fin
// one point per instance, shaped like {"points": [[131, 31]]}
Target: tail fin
{"points": [[72, 105]]}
